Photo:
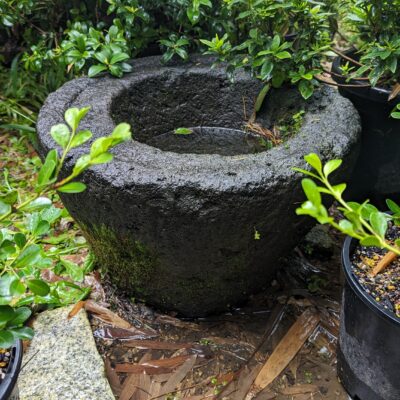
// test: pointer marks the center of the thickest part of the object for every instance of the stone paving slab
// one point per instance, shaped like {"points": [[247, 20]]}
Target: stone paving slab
{"points": [[63, 362]]}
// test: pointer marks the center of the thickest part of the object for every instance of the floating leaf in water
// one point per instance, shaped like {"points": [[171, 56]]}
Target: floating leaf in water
{"points": [[183, 131]]}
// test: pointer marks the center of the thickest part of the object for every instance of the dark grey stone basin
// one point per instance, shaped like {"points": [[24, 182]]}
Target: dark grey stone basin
{"points": [[173, 217]]}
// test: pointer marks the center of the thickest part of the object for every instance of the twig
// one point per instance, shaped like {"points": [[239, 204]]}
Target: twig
{"points": [[347, 57], [389, 257]]}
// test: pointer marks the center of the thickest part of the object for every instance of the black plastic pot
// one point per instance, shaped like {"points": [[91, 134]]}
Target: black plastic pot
{"points": [[8, 384], [369, 343], [376, 174]]}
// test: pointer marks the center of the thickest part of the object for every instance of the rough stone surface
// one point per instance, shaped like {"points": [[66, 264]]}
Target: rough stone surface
{"points": [[178, 229], [62, 361], [318, 242]]}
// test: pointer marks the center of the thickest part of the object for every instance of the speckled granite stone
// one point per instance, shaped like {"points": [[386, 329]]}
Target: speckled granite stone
{"points": [[65, 363]]}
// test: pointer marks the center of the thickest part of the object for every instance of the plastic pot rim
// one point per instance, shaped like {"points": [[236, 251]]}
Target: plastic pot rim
{"points": [[348, 247], [10, 380]]}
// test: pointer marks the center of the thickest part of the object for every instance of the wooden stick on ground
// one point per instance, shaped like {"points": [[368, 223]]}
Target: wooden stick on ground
{"points": [[389, 257]]}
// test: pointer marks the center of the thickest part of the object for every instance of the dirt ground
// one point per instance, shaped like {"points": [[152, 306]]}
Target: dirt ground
{"points": [[229, 350]]}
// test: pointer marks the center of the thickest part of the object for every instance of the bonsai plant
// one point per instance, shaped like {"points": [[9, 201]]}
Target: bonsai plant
{"points": [[26, 223], [368, 74], [368, 350]]}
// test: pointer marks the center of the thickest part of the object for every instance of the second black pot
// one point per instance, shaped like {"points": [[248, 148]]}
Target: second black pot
{"points": [[369, 348], [376, 175], [9, 382]]}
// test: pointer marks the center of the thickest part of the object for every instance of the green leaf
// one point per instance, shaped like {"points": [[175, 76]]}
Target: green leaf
{"points": [[183, 131], [21, 315], [81, 164], [311, 191], [51, 214], [24, 333], [276, 41], [102, 158], [42, 228], [283, 54], [73, 116], [20, 239], [370, 241], [10, 197], [38, 287], [6, 339], [81, 138], [99, 146], [72, 187], [61, 134], [266, 70], [48, 168], [331, 166], [96, 69], [347, 227], [305, 172], [394, 207], [121, 133], [395, 114], [38, 204], [314, 161], [6, 314], [116, 70], [306, 88], [17, 288], [73, 270], [379, 223], [118, 57], [339, 189], [366, 210], [102, 56], [28, 256], [4, 208], [5, 282]]}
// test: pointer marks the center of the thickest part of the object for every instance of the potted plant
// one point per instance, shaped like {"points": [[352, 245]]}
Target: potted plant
{"points": [[24, 257], [368, 74], [368, 351]]}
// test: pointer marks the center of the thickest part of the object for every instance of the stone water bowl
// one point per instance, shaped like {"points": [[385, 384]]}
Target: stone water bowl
{"points": [[194, 223]]}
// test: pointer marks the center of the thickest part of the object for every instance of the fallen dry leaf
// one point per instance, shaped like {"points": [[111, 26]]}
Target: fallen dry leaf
{"points": [[130, 386], [266, 395], [177, 377], [106, 315], [143, 388], [299, 389], [113, 378], [286, 350], [156, 345], [166, 319], [245, 381], [109, 332], [97, 293], [76, 308], [49, 276], [153, 367]]}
